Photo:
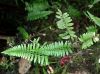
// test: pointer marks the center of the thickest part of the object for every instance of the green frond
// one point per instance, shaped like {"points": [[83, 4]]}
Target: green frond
{"points": [[34, 15], [37, 5], [64, 22], [93, 3], [91, 29], [95, 19], [73, 12], [23, 32], [56, 49], [39, 53], [37, 10], [87, 38]]}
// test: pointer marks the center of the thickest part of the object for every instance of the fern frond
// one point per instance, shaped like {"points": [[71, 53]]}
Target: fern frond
{"points": [[73, 12], [95, 19], [64, 22], [37, 5], [91, 29], [39, 53], [56, 49], [34, 15], [93, 3], [37, 10], [23, 32], [87, 38]]}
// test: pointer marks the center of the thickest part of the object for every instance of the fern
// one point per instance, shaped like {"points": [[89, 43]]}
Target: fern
{"points": [[93, 3], [37, 9], [87, 38], [39, 53], [23, 33], [64, 22], [95, 19], [73, 12], [51, 49], [37, 14]]}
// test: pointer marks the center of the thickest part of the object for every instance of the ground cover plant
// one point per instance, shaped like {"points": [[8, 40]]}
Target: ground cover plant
{"points": [[56, 37]]}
